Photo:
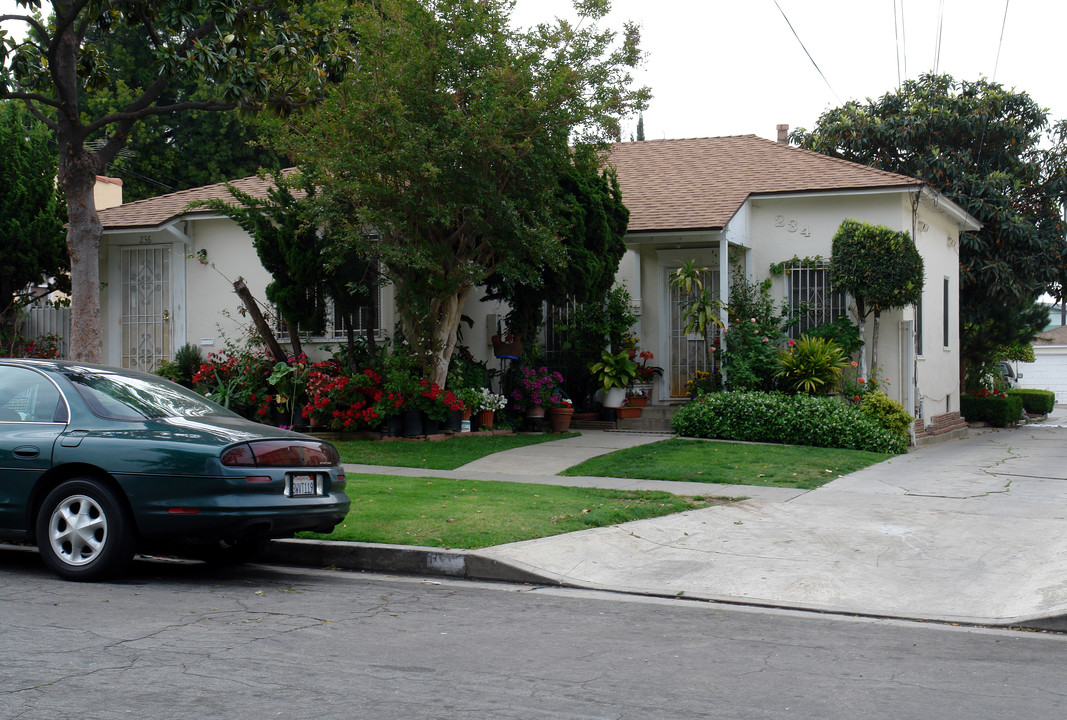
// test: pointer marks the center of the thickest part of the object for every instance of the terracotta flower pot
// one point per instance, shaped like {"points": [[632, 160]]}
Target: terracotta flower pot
{"points": [[622, 413], [638, 401], [559, 418], [485, 419]]}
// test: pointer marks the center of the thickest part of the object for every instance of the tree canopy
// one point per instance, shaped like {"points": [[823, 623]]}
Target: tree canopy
{"points": [[34, 261], [988, 150], [880, 268], [249, 54], [448, 139], [594, 222], [171, 152]]}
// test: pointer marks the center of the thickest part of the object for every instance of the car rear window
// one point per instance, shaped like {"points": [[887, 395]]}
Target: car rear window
{"points": [[132, 397]]}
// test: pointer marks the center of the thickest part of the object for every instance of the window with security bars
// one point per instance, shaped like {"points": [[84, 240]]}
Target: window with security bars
{"points": [[812, 301], [334, 328]]}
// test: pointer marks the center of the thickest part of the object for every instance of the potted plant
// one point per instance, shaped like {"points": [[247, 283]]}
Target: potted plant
{"points": [[628, 410], [636, 396], [488, 404], [536, 389], [559, 416], [507, 346], [614, 372]]}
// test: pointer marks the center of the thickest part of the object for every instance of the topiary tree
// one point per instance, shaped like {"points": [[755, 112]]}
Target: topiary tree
{"points": [[880, 268]]}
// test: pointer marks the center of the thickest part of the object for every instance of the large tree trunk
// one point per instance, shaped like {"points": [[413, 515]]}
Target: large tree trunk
{"points": [[443, 334], [77, 176]]}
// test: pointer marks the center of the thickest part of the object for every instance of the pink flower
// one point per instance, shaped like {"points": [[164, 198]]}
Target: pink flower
{"points": [[766, 340], [791, 343]]}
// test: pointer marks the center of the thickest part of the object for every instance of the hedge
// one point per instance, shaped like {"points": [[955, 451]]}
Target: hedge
{"points": [[790, 419], [1036, 402], [997, 411]]}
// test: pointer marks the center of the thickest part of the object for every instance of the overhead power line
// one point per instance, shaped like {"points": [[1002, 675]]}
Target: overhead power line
{"points": [[937, 41], [817, 68], [1003, 24]]}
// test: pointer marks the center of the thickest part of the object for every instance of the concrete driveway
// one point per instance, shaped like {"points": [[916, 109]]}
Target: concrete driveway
{"points": [[971, 530]]}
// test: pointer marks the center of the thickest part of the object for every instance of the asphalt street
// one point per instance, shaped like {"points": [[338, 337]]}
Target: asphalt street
{"points": [[180, 640]]}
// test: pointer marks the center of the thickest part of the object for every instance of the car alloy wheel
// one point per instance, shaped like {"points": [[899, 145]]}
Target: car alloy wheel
{"points": [[83, 531]]}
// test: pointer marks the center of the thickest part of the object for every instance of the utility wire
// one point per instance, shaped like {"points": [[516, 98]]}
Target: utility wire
{"points": [[1003, 23], [896, 37], [786, 17], [904, 38], [937, 41]]}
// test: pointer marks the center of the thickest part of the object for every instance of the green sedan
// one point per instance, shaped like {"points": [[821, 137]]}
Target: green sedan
{"points": [[97, 464]]}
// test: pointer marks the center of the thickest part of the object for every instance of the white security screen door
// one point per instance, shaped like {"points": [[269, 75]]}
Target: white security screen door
{"points": [[688, 353], [144, 273]]}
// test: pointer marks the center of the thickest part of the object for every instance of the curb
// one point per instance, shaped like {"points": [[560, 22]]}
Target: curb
{"points": [[408, 559], [469, 565]]}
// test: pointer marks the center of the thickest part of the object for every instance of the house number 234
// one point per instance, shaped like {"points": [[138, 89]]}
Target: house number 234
{"points": [[791, 225]]}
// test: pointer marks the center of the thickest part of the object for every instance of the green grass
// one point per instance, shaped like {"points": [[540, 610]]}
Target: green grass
{"points": [[792, 466], [446, 512], [440, 455]]}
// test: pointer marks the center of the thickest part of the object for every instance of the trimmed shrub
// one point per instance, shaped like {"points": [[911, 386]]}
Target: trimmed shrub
{"points": [[1036, 402], [789, 419], [997, 409], [888, 412]]}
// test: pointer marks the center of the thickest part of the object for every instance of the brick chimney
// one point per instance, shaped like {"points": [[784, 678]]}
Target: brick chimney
{"points": [[783, 134]]}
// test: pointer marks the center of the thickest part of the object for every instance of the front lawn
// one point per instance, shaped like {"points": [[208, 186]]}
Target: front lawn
{"points": [[438, 455], [792, 466], [470, 514]]}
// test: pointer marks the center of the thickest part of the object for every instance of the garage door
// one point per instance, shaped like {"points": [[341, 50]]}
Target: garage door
{"points": [[1048, 372]]}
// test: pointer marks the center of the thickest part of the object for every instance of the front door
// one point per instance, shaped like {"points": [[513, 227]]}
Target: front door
{"points": [[688, 351], [145, 277]]}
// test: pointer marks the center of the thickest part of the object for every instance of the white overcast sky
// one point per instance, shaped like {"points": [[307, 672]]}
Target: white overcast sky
{"points": [[729, 67]]}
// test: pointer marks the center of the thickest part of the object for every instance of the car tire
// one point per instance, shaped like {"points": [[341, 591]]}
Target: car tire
{"points": [[84, 531], [232, 552]]}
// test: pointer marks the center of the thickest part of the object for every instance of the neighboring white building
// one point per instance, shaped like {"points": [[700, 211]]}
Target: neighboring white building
{"points": [[170, 271], [1049, 369], [758, 203]]}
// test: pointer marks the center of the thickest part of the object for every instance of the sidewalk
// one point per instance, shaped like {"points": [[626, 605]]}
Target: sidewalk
{"points": [[971, 531]]}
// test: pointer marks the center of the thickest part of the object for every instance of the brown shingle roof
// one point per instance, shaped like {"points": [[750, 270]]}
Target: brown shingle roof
{"points": [[700, 183], [694, 184], [153, 212]]}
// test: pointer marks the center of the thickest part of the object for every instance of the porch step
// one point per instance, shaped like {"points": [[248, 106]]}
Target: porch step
{"points": [[654, 418]]}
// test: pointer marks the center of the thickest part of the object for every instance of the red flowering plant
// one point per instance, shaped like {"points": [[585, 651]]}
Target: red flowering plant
{"points": [[647, 373], [42, 346], [435, 401], [348, 402], [538, 387], [238, 380]]}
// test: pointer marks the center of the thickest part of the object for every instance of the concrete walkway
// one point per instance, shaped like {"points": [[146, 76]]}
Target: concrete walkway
{"points": [[973, 530]]}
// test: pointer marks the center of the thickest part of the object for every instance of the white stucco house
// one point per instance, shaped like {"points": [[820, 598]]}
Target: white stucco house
{"points": [[169, 270]]}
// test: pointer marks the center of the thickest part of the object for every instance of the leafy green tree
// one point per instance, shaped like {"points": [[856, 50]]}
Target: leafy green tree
{"points": [[170, 152], [982, 147], [34, 261], [250, 54], [880, 268], [449, 138]]}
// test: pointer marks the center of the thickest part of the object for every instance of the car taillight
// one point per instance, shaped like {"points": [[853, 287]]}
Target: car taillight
{"points": [[281, 453], [238, 455]]}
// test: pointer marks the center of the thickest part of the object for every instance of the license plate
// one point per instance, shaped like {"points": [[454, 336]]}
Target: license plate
{"points": [[302, 486]]}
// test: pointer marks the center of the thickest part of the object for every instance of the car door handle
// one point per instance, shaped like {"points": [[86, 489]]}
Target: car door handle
{"points": [[27, 452]]}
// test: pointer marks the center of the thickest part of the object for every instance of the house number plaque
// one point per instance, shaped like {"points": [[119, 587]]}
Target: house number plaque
{"points": [[791, 225]]}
